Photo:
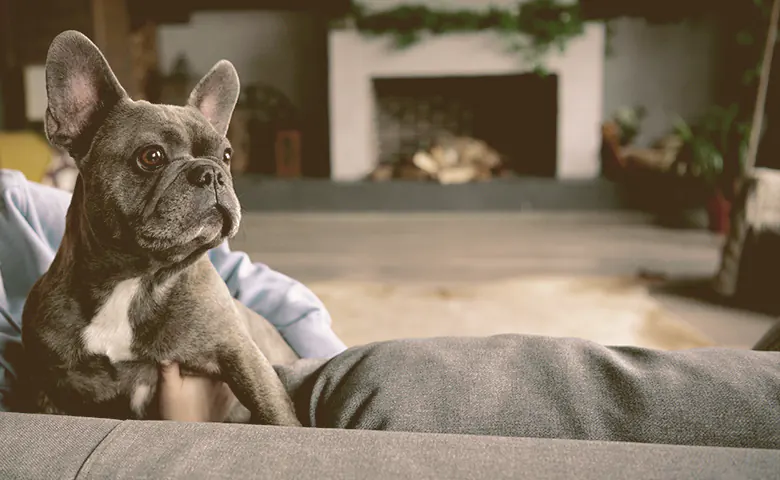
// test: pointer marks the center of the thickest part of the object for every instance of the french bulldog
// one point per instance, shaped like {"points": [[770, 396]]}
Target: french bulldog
{"points": [[131, 286]]}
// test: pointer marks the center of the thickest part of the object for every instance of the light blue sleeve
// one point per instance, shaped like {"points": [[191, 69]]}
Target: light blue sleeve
{"points": [[292, 308], [32, 222]]}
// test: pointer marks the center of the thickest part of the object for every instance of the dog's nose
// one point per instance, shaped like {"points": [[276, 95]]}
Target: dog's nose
{"points": [[204, 176]]}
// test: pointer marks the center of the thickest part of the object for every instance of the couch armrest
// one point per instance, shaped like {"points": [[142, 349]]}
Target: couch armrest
{"points": [[41, 447]]}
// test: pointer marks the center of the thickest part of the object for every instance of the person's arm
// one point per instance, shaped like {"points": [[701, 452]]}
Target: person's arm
{"points": [[292, 308], [32, 222]]}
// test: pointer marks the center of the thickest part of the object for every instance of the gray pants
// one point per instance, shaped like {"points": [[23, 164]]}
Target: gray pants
{"points": [[528, 386]]}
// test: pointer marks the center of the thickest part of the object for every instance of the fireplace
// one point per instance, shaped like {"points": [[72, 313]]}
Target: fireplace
{"points": [[516, 115], [385, 102]]}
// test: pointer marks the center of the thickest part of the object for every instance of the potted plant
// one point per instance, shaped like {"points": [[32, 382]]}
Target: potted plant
{"points": [[700, 163]]}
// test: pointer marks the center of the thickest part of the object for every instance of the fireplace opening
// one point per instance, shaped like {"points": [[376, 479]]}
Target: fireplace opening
{"points": [[512, 115]]}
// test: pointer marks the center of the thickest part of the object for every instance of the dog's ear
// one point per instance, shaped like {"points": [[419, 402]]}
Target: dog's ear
{"points": [[216, 94], [81, 89]]}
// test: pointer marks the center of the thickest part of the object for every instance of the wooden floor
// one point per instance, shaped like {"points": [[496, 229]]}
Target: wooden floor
{"points": [[469, 247]]}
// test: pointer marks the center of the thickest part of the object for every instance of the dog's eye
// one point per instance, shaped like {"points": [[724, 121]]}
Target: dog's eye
{"points": [[151, 158], [227, 156]]}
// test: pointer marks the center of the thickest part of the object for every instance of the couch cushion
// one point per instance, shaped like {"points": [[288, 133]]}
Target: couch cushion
{"points": [[153, 450], [528, 386], [41, 446]]}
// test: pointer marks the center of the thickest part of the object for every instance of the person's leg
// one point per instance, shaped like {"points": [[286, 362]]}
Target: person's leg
{"points": [[527, 386]]}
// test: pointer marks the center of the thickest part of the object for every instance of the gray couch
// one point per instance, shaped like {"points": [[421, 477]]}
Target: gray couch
{"points": [[508, 406]]}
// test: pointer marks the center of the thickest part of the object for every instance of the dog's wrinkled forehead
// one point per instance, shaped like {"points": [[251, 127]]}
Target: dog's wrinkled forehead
{"points": [[178, 129]]}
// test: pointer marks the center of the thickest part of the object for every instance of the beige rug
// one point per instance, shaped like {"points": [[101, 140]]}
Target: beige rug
{"points": [[610, 311]]}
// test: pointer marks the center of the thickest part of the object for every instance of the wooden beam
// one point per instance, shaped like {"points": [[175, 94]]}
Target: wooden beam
{"points": [[753, 211], [763, 87], [163, 12], [12, 102], [111, 33]]}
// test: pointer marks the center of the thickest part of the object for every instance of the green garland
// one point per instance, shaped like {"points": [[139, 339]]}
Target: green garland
{"points": [[542, 24]]}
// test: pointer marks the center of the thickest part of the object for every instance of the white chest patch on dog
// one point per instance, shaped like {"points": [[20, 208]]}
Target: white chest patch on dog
{"points": [[140, 399], [110, 332]]}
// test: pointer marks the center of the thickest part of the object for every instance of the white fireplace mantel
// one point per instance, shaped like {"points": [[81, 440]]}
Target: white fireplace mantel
{"points": [[356, 59]]}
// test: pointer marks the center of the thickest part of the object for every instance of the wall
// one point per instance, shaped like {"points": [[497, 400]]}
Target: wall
{"points": [[277, 48], [669, 69]]}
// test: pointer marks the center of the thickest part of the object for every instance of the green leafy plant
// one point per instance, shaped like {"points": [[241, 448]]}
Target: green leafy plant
{"points": [[708, 141], [548, 25], [533, 28]]}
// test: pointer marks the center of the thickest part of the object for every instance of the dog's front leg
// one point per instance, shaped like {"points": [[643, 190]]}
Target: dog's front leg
{"points": [[254, 382]]}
